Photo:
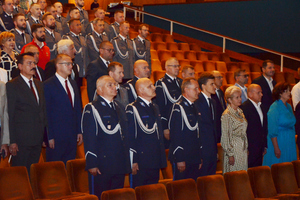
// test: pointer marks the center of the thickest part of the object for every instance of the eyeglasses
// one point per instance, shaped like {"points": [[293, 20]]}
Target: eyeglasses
{"points": [[218, 77], [175, 66], [66, 63], [245, 76], [109, 50], [30, 63]]}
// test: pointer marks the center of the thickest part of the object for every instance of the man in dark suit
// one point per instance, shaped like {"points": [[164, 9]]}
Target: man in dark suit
{"points": [[98, 67], [257, 129], [145, 136], [95, 38], [34, 18], [6, 18], [27, 114], [64, 47], [185, 148], [116, 71], [168, 92], [105, 139], [220, 102], [51, 37], [114, 27], [207, 108], [266, 83], [141, 45], [81, 57], [21, 38], [63, 103], [140, 70]]}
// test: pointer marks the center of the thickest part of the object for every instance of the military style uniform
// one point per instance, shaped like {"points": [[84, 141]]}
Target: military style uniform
{"points": [[114, 30], [51, 41], [142, 50], [20, 40], [124, 54], [130, 86], [122, 96], [185, 139], [145, 141], [18, 9], [29, 22], [6, 22], [81, 58], [84, 19], [90, 28], [93, 41], [104, 130], [61, 19]]}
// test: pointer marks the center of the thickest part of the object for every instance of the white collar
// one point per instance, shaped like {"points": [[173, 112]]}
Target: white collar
{"points": [[255, 104], [11, 15], [170, 76], [97, 33], [146, 101], [107, 101], [141, 38], [80, 9], [242, 87], [74, 34], [20, 32], [269, 80], [50, 32], [123, 38], [60, 78], [104, 60], [206, 97], [26, 79], [188, 100], [34, 18]]}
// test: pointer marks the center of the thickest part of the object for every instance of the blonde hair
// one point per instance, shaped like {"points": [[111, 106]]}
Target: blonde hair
{"points": [[4, 36], [230, 91]]}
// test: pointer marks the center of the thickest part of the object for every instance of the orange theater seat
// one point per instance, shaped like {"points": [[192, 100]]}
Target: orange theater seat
{"points": [[209, 66], [255, 75], [168, 38], [254, 67], [230, 78], [221, 66], [289, 77], [184, 46], [159, 45], [190, 55], [214, 56], [245, 66], [133, 34], [151, 192], [157, 37], [153, 54], [182, 189], [172, 46], [225, 57], [167, 172], [212, 188], [279, 77], [201, 55], [158, 74], [195, 47], [155, 65], [119, 194], [178, 54], [198, 66], [232, 66], [183, 62], [164, 54], [78, 176]]}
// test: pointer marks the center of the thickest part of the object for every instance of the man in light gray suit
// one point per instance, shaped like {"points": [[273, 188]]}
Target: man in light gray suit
{"points": [[4, 136], [21, 38], [116, 71]]}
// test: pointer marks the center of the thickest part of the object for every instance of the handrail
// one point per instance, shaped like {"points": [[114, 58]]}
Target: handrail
{"points": [[172, 22]]}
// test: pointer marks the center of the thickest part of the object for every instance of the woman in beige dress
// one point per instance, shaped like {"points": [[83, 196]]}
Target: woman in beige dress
{"points": [[234, 137]]}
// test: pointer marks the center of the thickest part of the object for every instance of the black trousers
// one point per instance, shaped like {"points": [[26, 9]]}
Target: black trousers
{"points": [[103, 182], [191, 171], [209, 167], [26, 156], [145, 177], [63, 151]]}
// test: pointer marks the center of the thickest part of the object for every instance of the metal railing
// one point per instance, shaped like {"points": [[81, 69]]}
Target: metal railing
{"points": [[139, 14]]}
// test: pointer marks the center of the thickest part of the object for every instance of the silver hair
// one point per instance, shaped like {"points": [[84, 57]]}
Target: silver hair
{"points": [[63, 45], [230, 91]]}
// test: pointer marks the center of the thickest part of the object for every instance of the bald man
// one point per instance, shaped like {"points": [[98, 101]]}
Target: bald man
{"points": [[257, 129], [140, 70], [220, 102], [104, 134], [145, 135]]}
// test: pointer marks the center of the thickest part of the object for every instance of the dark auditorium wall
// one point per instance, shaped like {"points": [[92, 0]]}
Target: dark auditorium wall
{"points": [[273, 24]]}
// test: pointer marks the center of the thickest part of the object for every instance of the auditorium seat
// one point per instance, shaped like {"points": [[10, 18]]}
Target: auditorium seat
{"points": [[158, 74], [195, 47], [78, 176], [263, 186], [296, 165], [225, 57], [220, 157], [159, 45], [157, 37], [172, 46], [212, 188], [198, 66], [289, 77], [14, 182], [179, 54], [182, 189], [183, 62], [133, 34], [221, 66], [49, 180], [163, 64], [168, 38], [245, 66], [79, 151], [232, 66], [284, 178], [190, 55], [184, 46], [153, 54], [84, 96], [84, 82], [279, 77], [151, 192], [119, 194], [209, 66], [214, 56], [230, 78], [201, 55], [155, 65], [4, 162], [167, 172], [254, 67], [164, 54], [255, 75]]}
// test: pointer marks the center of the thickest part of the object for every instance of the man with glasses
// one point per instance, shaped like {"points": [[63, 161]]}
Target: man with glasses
{"points": [[168, 92], [220, 102], [241, 78], [98, 67], [141, 45], [27, 114], [63, 103]]}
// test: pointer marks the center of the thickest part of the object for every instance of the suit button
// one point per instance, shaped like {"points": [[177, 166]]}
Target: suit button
{"points": [[142, 152], [104, 156]]}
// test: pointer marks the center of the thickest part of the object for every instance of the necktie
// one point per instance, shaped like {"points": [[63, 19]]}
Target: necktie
{"points": [[16, 9], [107, 63], [125, 41], [77, 38], [221, 98], [211, 108], [194, 109], [175, 82], [52, 35], [100, 36], [112, 105], [68, 92], [32, 89], [37, 21], [144, 43], [23, 36]]}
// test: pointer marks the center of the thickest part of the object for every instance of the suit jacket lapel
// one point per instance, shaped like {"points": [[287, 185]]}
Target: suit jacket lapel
{"points": [[27, 90]]}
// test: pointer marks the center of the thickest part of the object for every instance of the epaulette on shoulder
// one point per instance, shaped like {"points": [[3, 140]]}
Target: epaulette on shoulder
{"points": [[115, 38]]}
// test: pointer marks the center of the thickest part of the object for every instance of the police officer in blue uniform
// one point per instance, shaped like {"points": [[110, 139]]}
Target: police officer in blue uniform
{"points": [[145, 136], [168, 92], [185, 147], [104, 128], [6, 21]]}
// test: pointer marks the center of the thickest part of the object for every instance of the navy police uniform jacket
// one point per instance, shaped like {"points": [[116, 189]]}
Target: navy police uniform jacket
{"points": [[130, 87], [185, 138], [146, 148], [105, 148]]}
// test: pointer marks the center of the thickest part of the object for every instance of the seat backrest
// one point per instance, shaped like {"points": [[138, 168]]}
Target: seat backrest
{"points": [[284, 178], [183, 62], [279, 77], [230, 78], [182, 189], [212, 188], [225, 57], [255, 75], [49, 180], [201, 55], [153, 54], [150, 192], [119, 194], [254, 67], [172, 46], [168, 38], [213, 56], [178, 54], [15, 184], [198, 66], [195, 47], [221, 66], [262, 182], [296, 165], [155, 65], [78, 176], [245, 66], [164, 54], [167, 172], [133, 34], [209, 66], [157, 37], [190, 55], [159, 45], [232, 66], [184, 46], [158, 74], [238, 185], [289, 77]]}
